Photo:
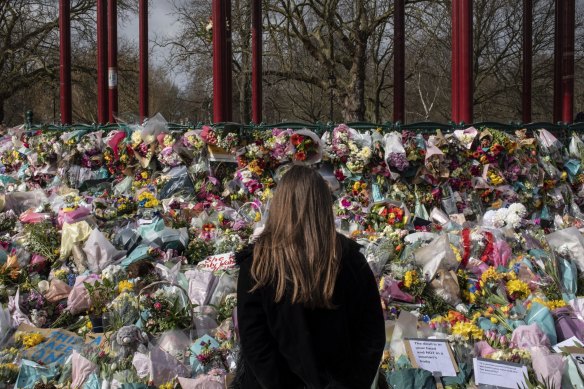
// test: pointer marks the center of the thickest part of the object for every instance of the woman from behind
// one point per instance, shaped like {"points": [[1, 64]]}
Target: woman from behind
{"points": [[308, 308]]}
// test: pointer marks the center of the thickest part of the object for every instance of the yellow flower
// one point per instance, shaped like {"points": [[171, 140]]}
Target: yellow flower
{"points": [[125, 285], [467, 330], [456, 253], [518, 289], [168, 385], [494, 320], [491, 275], [409, 278], [29, 339], [551, 305], [144, 174]]}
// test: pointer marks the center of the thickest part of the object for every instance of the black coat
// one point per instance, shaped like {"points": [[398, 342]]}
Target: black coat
{"points": [[286, 345]]}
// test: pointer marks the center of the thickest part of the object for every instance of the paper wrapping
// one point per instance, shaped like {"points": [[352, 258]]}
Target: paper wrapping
{"points": [[58, 290], [541, 315], [318, 156], [78, 300], [526, 336], [82, 368], [71, 234]]}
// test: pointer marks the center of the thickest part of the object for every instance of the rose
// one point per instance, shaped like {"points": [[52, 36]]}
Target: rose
{"points": [[157, 306]]}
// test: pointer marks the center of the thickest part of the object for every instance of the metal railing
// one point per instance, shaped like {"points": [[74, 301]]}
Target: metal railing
{"points": [[561, 130]]}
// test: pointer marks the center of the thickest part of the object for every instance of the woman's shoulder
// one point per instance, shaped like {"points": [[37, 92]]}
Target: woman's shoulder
{"points": [[244, 256], [351, 252]]}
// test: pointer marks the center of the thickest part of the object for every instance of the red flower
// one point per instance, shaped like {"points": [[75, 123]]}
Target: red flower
{"points": [[296, 139], [157, 306], [300, 156]]}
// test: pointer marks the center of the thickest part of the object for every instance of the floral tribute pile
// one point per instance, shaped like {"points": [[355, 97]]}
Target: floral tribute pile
{"points": [[116, 248]]}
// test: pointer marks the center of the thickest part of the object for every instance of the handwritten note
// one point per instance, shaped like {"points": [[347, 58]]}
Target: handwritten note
{"points": [[498, 373], [577, 354], [432, 355], [58, 346], [218, 262]]}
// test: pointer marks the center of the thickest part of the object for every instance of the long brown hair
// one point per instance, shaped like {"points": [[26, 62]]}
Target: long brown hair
{"points": [[299, 249]]}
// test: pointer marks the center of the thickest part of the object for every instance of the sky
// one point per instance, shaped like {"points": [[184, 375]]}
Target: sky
{"points": [[161, 23]]}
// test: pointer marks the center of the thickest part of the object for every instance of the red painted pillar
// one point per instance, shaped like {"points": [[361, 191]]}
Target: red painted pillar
{"points": [[112, 59], [143, 27], [455, 65], [102, 98], [558, 44], [399, 54], [527, 60], [256, 61], [466, 64], [228, 69], [569, 25], [219, 43], [65, 60]]}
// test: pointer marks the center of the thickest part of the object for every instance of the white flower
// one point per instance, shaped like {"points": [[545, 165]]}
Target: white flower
{"points": [[518, 209], [513, 220], [111, 272], [136, 137]]}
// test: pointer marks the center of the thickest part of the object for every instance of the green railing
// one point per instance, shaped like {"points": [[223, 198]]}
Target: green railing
{"points": [[562, 131]]}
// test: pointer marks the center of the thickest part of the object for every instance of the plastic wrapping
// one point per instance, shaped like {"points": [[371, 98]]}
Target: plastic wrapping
{"points": [[201, 285], [179, 183], [436, 255], [153, 127], [22, 201], [82, 368], [445, 285], [100, 252]]}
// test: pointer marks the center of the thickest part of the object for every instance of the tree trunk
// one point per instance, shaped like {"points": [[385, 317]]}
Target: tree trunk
{"points": [[1, 110], [354, 107]]}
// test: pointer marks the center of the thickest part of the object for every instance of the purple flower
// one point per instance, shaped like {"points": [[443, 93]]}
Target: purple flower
{"points": [[398, 161]]}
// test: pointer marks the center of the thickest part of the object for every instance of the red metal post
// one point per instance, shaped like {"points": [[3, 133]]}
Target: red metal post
{"points": [[558, 43], [112, 57], [569, 25], [102, 98], [455, 65], [143, 27], [466, 57], [228, 70], [65, 60], [219, 43], [527, 60], [399, 54], [256, 61]]}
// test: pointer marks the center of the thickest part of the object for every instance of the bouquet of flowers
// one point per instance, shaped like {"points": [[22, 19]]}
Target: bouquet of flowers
{"points": [[168, 308], [305, 147]]}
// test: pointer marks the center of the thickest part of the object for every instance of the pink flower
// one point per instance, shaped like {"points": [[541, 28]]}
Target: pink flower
{"points": [[157, 306]]}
